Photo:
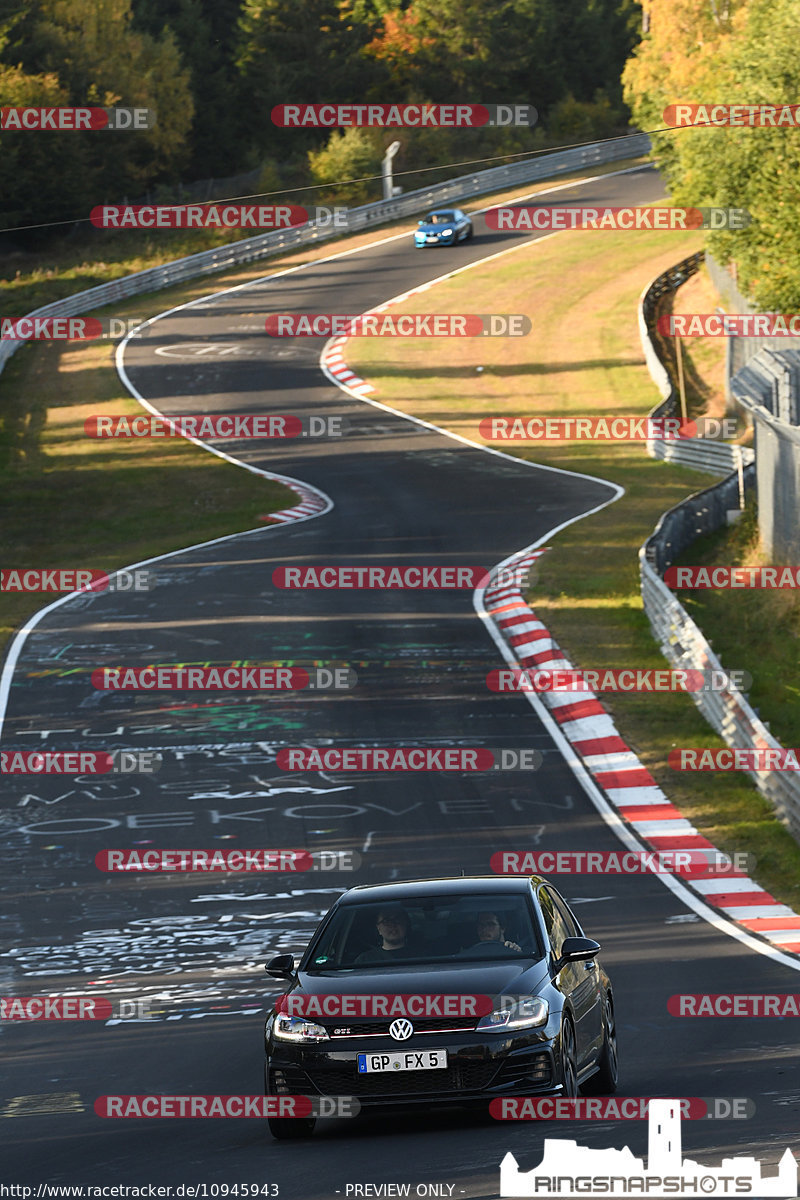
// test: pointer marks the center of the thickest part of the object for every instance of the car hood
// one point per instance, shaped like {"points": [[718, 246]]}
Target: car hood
{"points": [[431, 228], [466, 979]]}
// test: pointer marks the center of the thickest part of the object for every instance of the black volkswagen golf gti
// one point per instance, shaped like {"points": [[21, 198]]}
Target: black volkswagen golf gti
{"points": [[442, 991]]}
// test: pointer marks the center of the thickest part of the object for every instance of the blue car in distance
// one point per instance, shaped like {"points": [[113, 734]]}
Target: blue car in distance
{"points": [[444, 227]]}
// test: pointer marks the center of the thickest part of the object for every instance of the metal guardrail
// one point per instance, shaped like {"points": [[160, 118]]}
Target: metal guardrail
{"points": [[364, 217], [699, 454], [679, 637]]}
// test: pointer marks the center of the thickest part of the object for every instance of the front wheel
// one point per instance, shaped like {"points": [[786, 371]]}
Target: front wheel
{"points": [[569, 1067], [604, 1081]]}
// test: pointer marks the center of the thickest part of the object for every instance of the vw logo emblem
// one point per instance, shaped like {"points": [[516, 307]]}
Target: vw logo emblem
{"points": [[401, 1029]]}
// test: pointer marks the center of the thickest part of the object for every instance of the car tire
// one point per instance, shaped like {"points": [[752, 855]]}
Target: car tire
{"points": [[604, 1081], [470, 231], [569, 1065]]}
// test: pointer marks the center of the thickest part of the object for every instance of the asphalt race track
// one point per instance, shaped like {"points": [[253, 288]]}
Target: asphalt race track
{"points": [[193, 945]]}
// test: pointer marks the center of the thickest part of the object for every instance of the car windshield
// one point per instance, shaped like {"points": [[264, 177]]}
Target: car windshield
{"points": [[441, 218], [425, 930]]}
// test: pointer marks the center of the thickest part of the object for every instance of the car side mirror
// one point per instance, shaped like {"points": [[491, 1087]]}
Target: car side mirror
{"points": [[281, 967], [577, 949]]}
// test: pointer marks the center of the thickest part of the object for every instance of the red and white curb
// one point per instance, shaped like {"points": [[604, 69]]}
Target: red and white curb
{"points": [[311, 504], [627, 784], [333, 359]]}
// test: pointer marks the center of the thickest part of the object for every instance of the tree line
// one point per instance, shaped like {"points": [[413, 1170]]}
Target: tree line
{"points": [[729, 52], [213, 70]]}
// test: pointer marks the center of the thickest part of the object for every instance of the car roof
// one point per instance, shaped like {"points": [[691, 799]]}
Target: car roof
{"points": [[456, 885]]}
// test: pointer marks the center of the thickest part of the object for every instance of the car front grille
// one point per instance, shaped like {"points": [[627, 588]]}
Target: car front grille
{"points": [[421, 1025]]}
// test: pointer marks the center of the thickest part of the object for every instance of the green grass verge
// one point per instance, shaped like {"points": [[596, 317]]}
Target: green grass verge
{"points": [[583, 357]]}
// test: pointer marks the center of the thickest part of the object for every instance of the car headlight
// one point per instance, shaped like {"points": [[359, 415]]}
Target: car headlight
{"points": [[520, 1014], [446, 232], [297, 1029]]}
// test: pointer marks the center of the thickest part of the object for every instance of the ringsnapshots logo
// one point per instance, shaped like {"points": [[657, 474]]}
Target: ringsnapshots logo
{"points": [[407, 758], [514, 218], [617, 679], [76, 120], [568, 1170], [724, 577], [80, 762], [261, 862], [75, 579], [206, 1107], [75, 1008], [690, 864], [751, 116], [412, 325], [223, 679], [396, 116], [215, 426], [216, 216]]}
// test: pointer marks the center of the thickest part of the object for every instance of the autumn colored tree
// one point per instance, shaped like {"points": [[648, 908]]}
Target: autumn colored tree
{"points": [[729, 52]]}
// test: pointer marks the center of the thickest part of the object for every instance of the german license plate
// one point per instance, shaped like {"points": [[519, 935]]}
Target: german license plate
{"points": [[403, 1060]]}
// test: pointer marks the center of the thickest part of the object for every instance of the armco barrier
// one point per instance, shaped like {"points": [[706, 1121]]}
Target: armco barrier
{"points": [[367, 215], [681, 641], [700, 454]]}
